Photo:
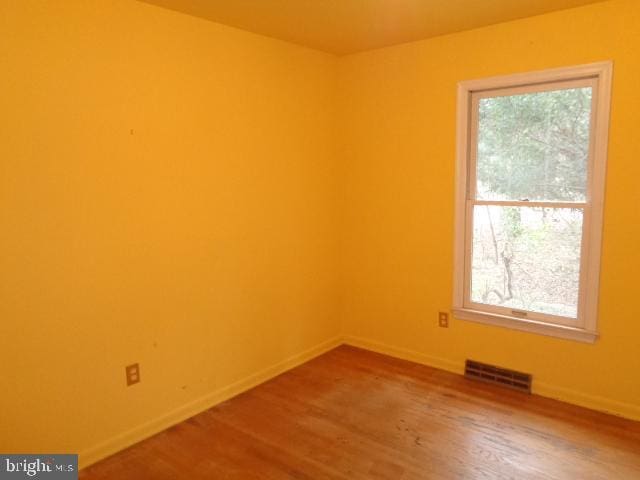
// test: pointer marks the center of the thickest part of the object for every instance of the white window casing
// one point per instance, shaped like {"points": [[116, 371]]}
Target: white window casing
{"points": [[598, 77]]}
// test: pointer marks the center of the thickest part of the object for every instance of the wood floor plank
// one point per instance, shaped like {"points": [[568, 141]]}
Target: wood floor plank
{"points": [[354, 414]]}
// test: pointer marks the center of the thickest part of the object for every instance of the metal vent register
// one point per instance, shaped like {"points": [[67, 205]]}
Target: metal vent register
{"points": [[498, 376]]}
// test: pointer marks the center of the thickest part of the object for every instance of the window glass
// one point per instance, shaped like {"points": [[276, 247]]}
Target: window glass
{"points": [[527, 258], [534, 146]]}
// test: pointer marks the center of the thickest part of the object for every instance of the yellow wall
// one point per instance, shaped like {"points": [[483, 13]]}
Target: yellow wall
{"points": [[398, 143], [167, 196]]}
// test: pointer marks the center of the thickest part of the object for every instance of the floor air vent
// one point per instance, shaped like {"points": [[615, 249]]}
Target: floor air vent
{"points": [[498, 376]]}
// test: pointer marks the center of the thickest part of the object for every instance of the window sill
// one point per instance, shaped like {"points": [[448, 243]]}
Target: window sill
{"points": [[550, 330]]}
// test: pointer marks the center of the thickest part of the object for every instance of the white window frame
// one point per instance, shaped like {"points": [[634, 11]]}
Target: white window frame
{"points": [[585, 328]]}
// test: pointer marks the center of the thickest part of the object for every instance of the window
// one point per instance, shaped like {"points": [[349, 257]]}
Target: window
{"points": [[532, 154]]}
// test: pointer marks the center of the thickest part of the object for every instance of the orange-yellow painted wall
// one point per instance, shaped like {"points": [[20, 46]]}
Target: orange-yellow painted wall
{"points": [[398, 146], [166, 197]]}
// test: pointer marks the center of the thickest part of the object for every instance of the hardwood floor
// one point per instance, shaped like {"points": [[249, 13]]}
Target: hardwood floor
{"points": [[353, 414]]}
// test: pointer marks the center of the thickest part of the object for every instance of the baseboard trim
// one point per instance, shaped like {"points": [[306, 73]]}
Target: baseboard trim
{"points": [[148, 429], [592, 402], [405, 354]]}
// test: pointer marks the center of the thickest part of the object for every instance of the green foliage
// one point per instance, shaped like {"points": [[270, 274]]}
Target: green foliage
{"points": [[534, 146], [512, 222]]}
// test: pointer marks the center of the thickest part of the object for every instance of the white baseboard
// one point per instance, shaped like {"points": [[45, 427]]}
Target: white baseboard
{"points": [[593, 402], [405, 354], [146, 430]]}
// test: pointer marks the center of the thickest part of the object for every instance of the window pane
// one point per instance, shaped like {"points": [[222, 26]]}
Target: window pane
{"points": [[527, 258], [534, 146]]}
